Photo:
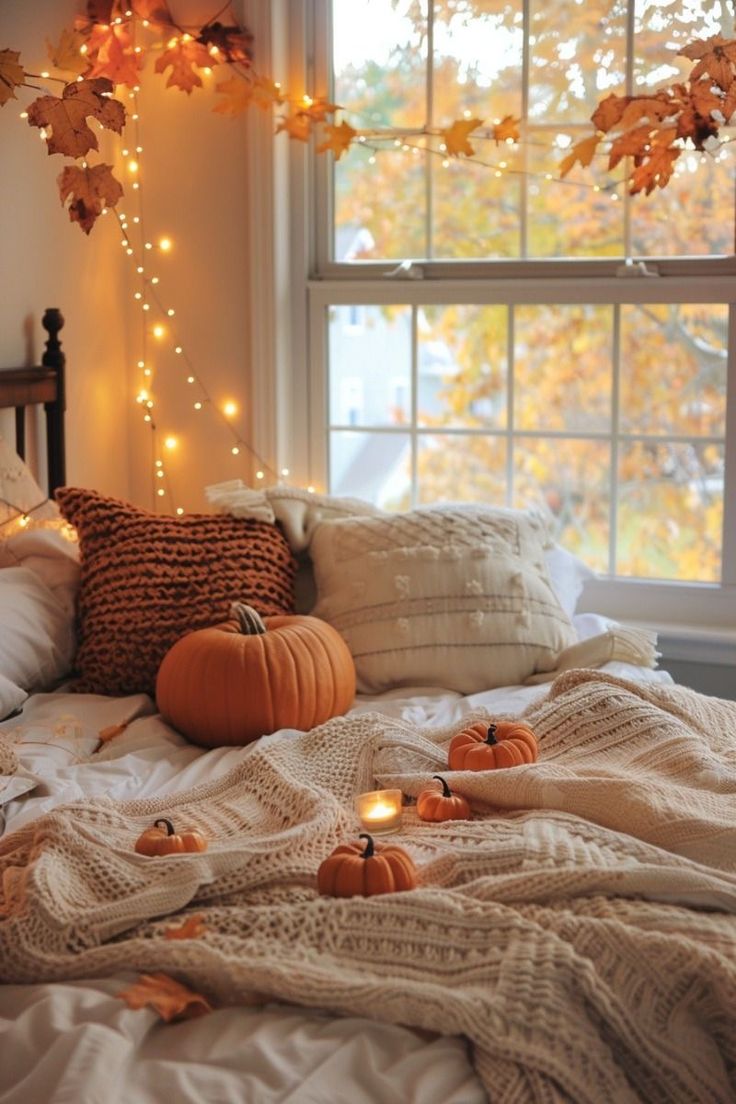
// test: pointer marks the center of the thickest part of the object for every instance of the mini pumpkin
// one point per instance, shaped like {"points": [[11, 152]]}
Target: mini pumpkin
{"points": [[166, 841], [438, 805], [247, 677], [356, 871], [483, 746]]}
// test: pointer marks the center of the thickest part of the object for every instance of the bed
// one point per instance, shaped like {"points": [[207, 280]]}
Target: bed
{"points": [[573, 940]]}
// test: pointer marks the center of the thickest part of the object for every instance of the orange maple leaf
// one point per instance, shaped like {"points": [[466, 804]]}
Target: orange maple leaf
{"points": [[655, 171], [296, 126], [631, 143], [191, 928], [155, 11], [653, 108], [110, 53], [507, 129], [230, 43], [609, 112], [182, 57], [338, 139], [67, 116], [171, 999], [582, 153], [696, 119], [92, 190], [717, 58], [12, 75], [455, 137], [316, 110]]}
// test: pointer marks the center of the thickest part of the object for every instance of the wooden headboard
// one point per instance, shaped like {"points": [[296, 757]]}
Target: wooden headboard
{"points": [[22, 387]]}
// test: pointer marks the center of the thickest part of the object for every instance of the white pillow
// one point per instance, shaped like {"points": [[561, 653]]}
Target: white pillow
{"points": [[455, 596], [37, 638], [568, 575], [19, 491]]}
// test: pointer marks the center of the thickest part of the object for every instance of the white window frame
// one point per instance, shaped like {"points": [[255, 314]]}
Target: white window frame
{"points": [[291, 203]]}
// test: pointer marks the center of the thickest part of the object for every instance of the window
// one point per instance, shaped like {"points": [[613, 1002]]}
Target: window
{"points": [[525, 338]]}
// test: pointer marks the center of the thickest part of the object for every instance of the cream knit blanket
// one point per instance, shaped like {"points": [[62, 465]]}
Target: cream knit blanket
{"points": [[579, 931]]}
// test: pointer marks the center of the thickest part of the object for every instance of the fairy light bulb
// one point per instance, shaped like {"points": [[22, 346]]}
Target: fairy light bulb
{"points": [[179, 510], [284, 472], [235, 450], [164, 244], [229, 409], [160, 492], [159, 331], [132, 166], [197, 405], [259, 475], [170, 442]]}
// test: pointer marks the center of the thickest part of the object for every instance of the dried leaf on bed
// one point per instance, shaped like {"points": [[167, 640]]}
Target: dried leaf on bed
{"points": [[67, 116], [191, 928], [111, 731], [171, 999]]}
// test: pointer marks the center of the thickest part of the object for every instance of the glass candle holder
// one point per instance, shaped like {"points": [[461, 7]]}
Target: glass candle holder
{"points": [[379, 811]]}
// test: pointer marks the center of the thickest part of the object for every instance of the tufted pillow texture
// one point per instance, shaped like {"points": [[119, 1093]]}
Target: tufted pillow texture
{"points": [[147, 579], [457, 597]]}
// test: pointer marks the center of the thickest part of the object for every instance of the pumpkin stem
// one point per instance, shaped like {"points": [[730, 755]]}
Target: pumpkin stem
{"points": [[250, 622], [446, 791], [167, 823], [368, 853], [491, 737]]}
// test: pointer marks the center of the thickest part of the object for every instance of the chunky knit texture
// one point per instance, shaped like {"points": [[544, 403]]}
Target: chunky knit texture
{"points": [[148, 579], [579, 930]]}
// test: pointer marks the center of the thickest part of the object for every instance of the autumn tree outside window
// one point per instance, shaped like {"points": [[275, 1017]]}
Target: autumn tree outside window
{"points": [[482, 329]]}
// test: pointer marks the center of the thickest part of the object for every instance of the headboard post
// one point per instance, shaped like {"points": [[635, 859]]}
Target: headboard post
{"points": [[52, 321]]}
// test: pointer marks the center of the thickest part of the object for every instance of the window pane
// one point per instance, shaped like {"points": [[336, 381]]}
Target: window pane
{"points": [[662, 27], [379, 58], [462, 366], [673, 369], [370, 365], [477, 62], [380, 206], [562, 368], [577, 57], [373, 466], [459, 468], [694, 214], [670, 511], [572, 479], [476, 214], [580, 216]]}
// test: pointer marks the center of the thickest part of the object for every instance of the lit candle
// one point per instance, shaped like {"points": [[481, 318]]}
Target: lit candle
{"points": [[380, 810]]}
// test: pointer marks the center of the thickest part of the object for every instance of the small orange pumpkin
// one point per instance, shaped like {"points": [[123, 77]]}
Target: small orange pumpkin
{"points": [[483, 746], [356, 871], [166, 841], [442, 804]]}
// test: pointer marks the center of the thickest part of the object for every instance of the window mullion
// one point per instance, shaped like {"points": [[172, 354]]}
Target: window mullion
{"points": [[615, 431], [630, 47], [510, 359], [428, 183], [414, 404], [523, 185]]}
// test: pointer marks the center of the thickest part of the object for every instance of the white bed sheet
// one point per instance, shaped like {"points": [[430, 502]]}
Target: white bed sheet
{"points": [[79, 1043]]}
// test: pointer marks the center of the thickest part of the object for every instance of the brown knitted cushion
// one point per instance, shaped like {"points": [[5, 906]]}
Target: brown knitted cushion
{"points": [[148, 579]]}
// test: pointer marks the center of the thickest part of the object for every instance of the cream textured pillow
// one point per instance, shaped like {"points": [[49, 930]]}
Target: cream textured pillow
{"points": [[457, 597]]}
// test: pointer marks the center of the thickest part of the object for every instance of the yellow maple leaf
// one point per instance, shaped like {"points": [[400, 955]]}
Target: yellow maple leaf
{"points": [[455, 137], [237, 96], [191, 928], [65, 54], [296, 126], [507, 129], [338, 139], [171, 999], [181, 58], [92, 189], [68, 115], [717, 58], [582, 153], [12, 75]]}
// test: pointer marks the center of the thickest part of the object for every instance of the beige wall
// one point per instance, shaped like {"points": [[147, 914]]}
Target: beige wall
{"points": [[192, 188]]}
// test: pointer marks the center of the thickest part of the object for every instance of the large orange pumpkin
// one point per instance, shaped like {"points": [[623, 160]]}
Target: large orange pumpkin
{"points": [[356, 871], [484, 746], [247, 677]]}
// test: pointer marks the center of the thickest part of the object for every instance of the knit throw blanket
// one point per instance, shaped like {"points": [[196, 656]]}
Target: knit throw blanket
{"points": [[579, 930]]}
